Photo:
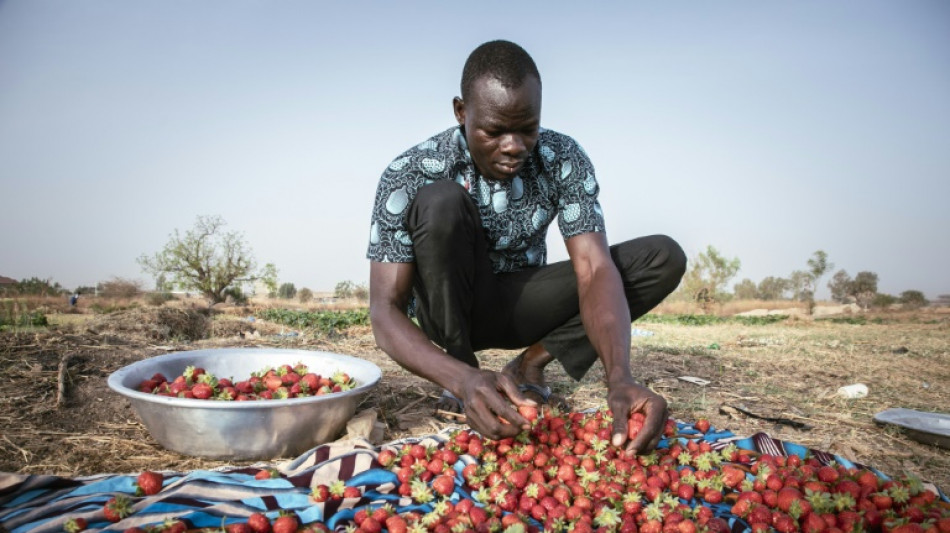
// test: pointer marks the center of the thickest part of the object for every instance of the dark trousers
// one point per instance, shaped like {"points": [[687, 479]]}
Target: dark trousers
{"points": [[464, 307]]}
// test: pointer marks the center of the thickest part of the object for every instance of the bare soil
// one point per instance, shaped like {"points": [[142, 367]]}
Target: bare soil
{"points": [[788, 371]]}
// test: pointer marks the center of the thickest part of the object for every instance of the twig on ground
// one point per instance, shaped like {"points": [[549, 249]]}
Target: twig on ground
{"points": [[61, 380]]}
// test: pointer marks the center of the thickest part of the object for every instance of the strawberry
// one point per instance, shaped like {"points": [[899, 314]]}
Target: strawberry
{"points": [[75, 525], [117, 508], [286, 524], [149, 483], [320, 493], [702, 425], [173, 526], [241, 527], [444, 485], [202, 391], [267, 473], [386, 458], [259, 523], [529, 412], [396, 524]]}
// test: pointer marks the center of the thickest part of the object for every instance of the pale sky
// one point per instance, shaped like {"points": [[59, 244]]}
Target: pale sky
{"points": [[766, 129]]}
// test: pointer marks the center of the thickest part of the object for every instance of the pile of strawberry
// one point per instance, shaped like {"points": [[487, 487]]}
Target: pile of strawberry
{"points": [[278, 383], [563, 475]]}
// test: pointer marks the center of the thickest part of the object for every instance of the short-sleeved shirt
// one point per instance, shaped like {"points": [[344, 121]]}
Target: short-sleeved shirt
{"points": [[556, 180]]}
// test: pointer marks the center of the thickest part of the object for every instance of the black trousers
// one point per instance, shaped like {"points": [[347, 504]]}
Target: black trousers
{"points": [[464, 307]]}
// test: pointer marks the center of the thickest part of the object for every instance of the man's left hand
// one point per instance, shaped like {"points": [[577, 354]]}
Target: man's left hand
{"points": [[627, 397]]}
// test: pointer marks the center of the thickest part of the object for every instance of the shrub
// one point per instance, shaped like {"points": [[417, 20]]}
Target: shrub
{"points": [[120, 288], [913, 299], [287, 291], [235, 295], [305, 295], [159, 298]]}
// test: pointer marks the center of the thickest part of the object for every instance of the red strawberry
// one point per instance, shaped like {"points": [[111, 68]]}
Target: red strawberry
{"points": [[149, 483], [352, 492], [702, 425], [529, 412], [259, 523], [386, 458], [320, 493], [444, 485], [286, 524], [75, 525], [242, 527], [396, 524], [202, 391], [267, 473], [370, 525], [173, 526], [635, 424], [117, 508]]}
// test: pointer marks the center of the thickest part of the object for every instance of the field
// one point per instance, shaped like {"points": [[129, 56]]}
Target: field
{"points": [[58, 416]]}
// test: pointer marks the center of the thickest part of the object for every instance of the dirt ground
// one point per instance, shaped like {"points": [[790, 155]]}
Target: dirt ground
{"points": [[58, 416]]}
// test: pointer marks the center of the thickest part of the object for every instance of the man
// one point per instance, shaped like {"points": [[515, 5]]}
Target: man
{"points": [[458, 230]]}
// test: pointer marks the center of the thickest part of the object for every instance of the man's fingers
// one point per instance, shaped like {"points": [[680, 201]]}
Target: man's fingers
{"points": [[511, 390]]}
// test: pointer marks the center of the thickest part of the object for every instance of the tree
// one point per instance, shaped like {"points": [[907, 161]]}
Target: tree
{"points": [[305, 295], [773, 288], [344, 289], [863, 288], [745, 290], [361, 292], [287, 291], [818, 266], [913, 299], [207, 259], [706, 280], [840, 286], [798, 283]]}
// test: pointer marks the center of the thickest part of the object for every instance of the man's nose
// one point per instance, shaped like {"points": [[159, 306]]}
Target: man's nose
{"points": [[512, 144]]}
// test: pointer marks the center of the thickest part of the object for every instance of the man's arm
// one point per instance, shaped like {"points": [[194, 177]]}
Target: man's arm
{"points": [[481, 390], [606, 319]]}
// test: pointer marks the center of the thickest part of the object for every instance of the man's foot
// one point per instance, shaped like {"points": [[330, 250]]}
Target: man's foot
{"points": [[528, 371], [450, 408]]}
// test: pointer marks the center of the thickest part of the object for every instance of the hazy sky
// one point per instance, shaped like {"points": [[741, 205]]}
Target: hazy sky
{"points": [[766, 129]]}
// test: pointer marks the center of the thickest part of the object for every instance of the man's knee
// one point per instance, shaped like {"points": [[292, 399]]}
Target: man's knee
{"points": [[670, 257], [659, 255], [440, 207]]}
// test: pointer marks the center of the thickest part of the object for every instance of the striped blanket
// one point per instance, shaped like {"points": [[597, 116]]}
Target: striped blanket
{"points": [[212, 498]]}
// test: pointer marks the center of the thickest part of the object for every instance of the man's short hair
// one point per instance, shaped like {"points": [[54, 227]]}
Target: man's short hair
{"points": [[503, 60]]}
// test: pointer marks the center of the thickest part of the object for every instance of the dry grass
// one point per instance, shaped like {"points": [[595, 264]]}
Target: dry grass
{"points": [[788, 370]]}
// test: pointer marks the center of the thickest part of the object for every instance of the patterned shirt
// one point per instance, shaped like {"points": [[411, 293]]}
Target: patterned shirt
{"points": [[556, 180]]}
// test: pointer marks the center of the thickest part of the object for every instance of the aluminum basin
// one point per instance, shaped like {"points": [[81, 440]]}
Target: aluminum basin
{"points": [[263, 429]]}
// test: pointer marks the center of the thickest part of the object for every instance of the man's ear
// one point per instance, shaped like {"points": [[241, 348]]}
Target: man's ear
{"points": [[458, 106]]}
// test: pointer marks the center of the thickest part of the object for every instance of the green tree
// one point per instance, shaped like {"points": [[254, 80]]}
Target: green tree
{"points": [[913, 299], [840, 286], [207, 259], [344, 289], [798, 283], [287, 291], [863, 288], [706, 280], [772, 288], [745, 290], [818, 266]]}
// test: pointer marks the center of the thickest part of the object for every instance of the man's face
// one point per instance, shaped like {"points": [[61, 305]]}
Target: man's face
{"points": [[501, 125]]}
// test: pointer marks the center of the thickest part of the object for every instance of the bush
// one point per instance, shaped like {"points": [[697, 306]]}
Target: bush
{"points": [[883, 300], [305, 295], [120, 288], [159, 298], [287, 291], [235, 295], [913, 299]]}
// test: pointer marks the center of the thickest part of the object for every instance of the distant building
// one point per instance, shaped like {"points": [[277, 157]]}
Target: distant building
{"points": [[7, 282]]}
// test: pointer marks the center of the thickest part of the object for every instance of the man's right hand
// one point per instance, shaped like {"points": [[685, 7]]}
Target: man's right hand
{"points": [[489, 395]]}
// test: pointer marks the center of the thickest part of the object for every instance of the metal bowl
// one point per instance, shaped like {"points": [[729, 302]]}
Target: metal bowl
{"points": [[262, 429]]}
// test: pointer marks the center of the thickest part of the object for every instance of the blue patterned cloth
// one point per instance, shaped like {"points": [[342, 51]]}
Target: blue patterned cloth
{"points": [[210, 498]]}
